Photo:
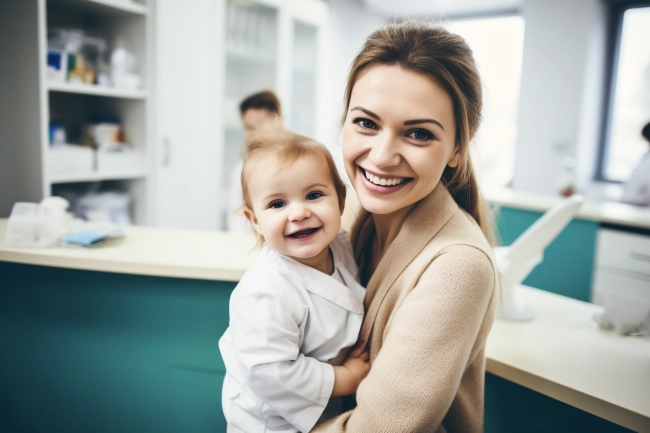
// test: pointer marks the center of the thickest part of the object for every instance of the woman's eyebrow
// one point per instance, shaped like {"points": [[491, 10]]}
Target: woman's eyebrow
{"points": [[368, 112], [416, 121]]}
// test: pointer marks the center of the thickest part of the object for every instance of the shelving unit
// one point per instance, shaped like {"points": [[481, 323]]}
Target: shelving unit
{"points": [[98, 176], [91, 89], [33, 100]]}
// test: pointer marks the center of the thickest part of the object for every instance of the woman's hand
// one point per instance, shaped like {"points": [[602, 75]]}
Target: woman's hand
{"points": [[348, 376]]}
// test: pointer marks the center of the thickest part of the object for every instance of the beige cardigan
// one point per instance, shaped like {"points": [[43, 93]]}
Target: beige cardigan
{"points": [[429, 308]]}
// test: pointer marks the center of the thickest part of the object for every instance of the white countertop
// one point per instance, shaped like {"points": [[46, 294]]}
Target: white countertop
{"points": [[560, 354], [604, 211], [197, 254]]}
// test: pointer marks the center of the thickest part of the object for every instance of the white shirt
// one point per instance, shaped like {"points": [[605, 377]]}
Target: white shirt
{"points": [[637, 189], [289, 323]]}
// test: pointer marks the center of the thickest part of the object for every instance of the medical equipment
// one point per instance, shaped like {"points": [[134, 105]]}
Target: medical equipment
{"points": [[516, 261]]}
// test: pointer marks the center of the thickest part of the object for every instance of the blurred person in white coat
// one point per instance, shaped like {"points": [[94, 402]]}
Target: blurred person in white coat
{"points": [[636, 190], [297, 311], [255, 109]]}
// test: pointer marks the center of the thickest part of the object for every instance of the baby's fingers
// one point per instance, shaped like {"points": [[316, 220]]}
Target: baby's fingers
{"points": [[357, 349]]}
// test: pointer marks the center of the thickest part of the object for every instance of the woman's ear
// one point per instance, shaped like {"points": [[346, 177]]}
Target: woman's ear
{"points": [[453, 162], [250, 216]]}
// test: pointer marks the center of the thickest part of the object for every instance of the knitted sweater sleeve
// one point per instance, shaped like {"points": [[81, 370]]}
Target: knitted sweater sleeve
{"points": [[416, 374]]}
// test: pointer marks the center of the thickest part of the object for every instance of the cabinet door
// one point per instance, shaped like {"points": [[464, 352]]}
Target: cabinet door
{"points": [[188, 114]]}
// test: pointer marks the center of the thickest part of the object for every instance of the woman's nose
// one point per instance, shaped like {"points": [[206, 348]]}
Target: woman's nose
{"points": [[384, 152], [299, 212]]}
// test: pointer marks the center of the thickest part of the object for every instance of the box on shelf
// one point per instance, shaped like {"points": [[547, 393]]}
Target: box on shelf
{"points": [[66, 159], [116, 161]]}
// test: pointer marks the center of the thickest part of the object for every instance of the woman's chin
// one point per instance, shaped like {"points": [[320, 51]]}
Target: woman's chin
{"points": [[380, 205]]}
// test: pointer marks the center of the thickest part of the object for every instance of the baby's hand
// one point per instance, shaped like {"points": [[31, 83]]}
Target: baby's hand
{"points": [[359, 366], [348, 376]]}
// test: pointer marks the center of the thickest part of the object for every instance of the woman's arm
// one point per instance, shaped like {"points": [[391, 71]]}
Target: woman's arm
{"points": [[416, 374]]}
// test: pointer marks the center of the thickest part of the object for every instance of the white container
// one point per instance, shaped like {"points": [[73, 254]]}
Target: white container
{"points": [[66, 159], [126, 160], [38, 225]]}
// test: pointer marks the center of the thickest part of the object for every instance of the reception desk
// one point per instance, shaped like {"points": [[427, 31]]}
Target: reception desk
{"points": [[124, 338]]}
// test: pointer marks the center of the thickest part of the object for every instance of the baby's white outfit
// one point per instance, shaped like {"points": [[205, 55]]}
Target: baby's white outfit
{"points": [[289, 324]]}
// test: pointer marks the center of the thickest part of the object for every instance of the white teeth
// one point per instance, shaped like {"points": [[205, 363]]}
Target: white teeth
{"points": [[382, 181]]}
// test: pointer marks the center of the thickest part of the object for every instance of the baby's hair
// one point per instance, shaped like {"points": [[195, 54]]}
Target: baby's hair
{"points": [[287, 147]]}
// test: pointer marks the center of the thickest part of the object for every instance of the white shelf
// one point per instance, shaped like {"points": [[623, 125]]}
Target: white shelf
{"points": [[107, 7], [97, 176], [90, 89]]}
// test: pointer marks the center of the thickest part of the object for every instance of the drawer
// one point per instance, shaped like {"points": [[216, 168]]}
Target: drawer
{"points": [[626, 251], [630, 286]]}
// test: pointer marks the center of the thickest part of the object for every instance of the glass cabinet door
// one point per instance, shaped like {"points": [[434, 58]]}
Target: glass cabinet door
{"points": [[250, 66], [303, 83]]}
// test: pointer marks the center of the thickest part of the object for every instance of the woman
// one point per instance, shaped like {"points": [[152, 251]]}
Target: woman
{"points": [[412, 105]]}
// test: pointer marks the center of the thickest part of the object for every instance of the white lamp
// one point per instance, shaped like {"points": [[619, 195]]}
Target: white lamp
{"points": [[519, 259]]}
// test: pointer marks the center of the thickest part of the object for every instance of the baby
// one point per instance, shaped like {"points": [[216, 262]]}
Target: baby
{"points": [[298, 310]]}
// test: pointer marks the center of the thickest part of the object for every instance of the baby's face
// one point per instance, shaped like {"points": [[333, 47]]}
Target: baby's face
{"points": [[295, 206]]}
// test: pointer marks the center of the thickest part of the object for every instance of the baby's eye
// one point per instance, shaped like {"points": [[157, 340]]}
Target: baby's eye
{"points": [[314, 195], [365, 123], [420, 135], [276, 204]]}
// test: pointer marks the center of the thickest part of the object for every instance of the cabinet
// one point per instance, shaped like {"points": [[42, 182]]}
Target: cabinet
{"points": [[243, 47], [30, 168], [622, 271]]}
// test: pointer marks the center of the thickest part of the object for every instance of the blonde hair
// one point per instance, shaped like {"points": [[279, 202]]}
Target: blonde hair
{"points": [[446, 58], [287, 147]]}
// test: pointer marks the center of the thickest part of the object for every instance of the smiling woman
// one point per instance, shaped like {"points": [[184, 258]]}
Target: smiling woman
{"points": [[412, 106]]}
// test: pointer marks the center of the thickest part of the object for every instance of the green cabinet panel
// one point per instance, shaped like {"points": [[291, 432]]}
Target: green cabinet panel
{"points": [[101, 352], [511, 408], [568, 261]]}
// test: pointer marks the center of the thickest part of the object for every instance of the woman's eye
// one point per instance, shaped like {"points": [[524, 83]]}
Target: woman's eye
{"points": [[314, 195], [365, 123], [421, 135], [276, 204]]}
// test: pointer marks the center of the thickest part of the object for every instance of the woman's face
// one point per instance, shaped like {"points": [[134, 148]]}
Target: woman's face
{"points": [[398, 137]]}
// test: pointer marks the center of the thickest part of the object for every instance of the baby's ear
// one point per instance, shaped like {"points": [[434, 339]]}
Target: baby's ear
{"points": [[250, 216]]}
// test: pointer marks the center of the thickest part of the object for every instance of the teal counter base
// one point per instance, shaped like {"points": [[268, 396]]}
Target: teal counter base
{"points": [[100, 352], [511, 408]]}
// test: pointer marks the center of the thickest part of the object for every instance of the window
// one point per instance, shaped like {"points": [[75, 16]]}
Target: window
{"points": [[628, 103], [497, 43]]}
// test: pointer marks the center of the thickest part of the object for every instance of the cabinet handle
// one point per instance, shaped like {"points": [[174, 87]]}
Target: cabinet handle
{"points": [[167, 149], [640, 255]]}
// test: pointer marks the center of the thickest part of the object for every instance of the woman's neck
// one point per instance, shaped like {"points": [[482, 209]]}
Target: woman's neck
{"points": [[386, 229]]}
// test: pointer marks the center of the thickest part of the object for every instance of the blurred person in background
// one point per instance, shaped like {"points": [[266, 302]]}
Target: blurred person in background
{"points": [[637, 189], [258, 108]]}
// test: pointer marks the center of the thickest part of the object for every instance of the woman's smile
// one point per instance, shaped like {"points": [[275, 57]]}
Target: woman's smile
{"points": [[382, 184]]}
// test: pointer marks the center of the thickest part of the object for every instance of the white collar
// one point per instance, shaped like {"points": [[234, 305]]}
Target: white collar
{"points": [[349, 296]]}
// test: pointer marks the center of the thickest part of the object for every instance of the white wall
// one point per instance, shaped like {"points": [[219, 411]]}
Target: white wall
{"points": [[349, 25], [561, 91]]}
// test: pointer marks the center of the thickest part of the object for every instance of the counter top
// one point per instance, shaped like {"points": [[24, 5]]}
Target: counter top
{"points": [[154, 251], [604, 211], [561, 355]]}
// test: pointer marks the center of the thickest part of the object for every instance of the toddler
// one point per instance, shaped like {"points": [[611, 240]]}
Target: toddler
{"points": [[298, 310]]}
